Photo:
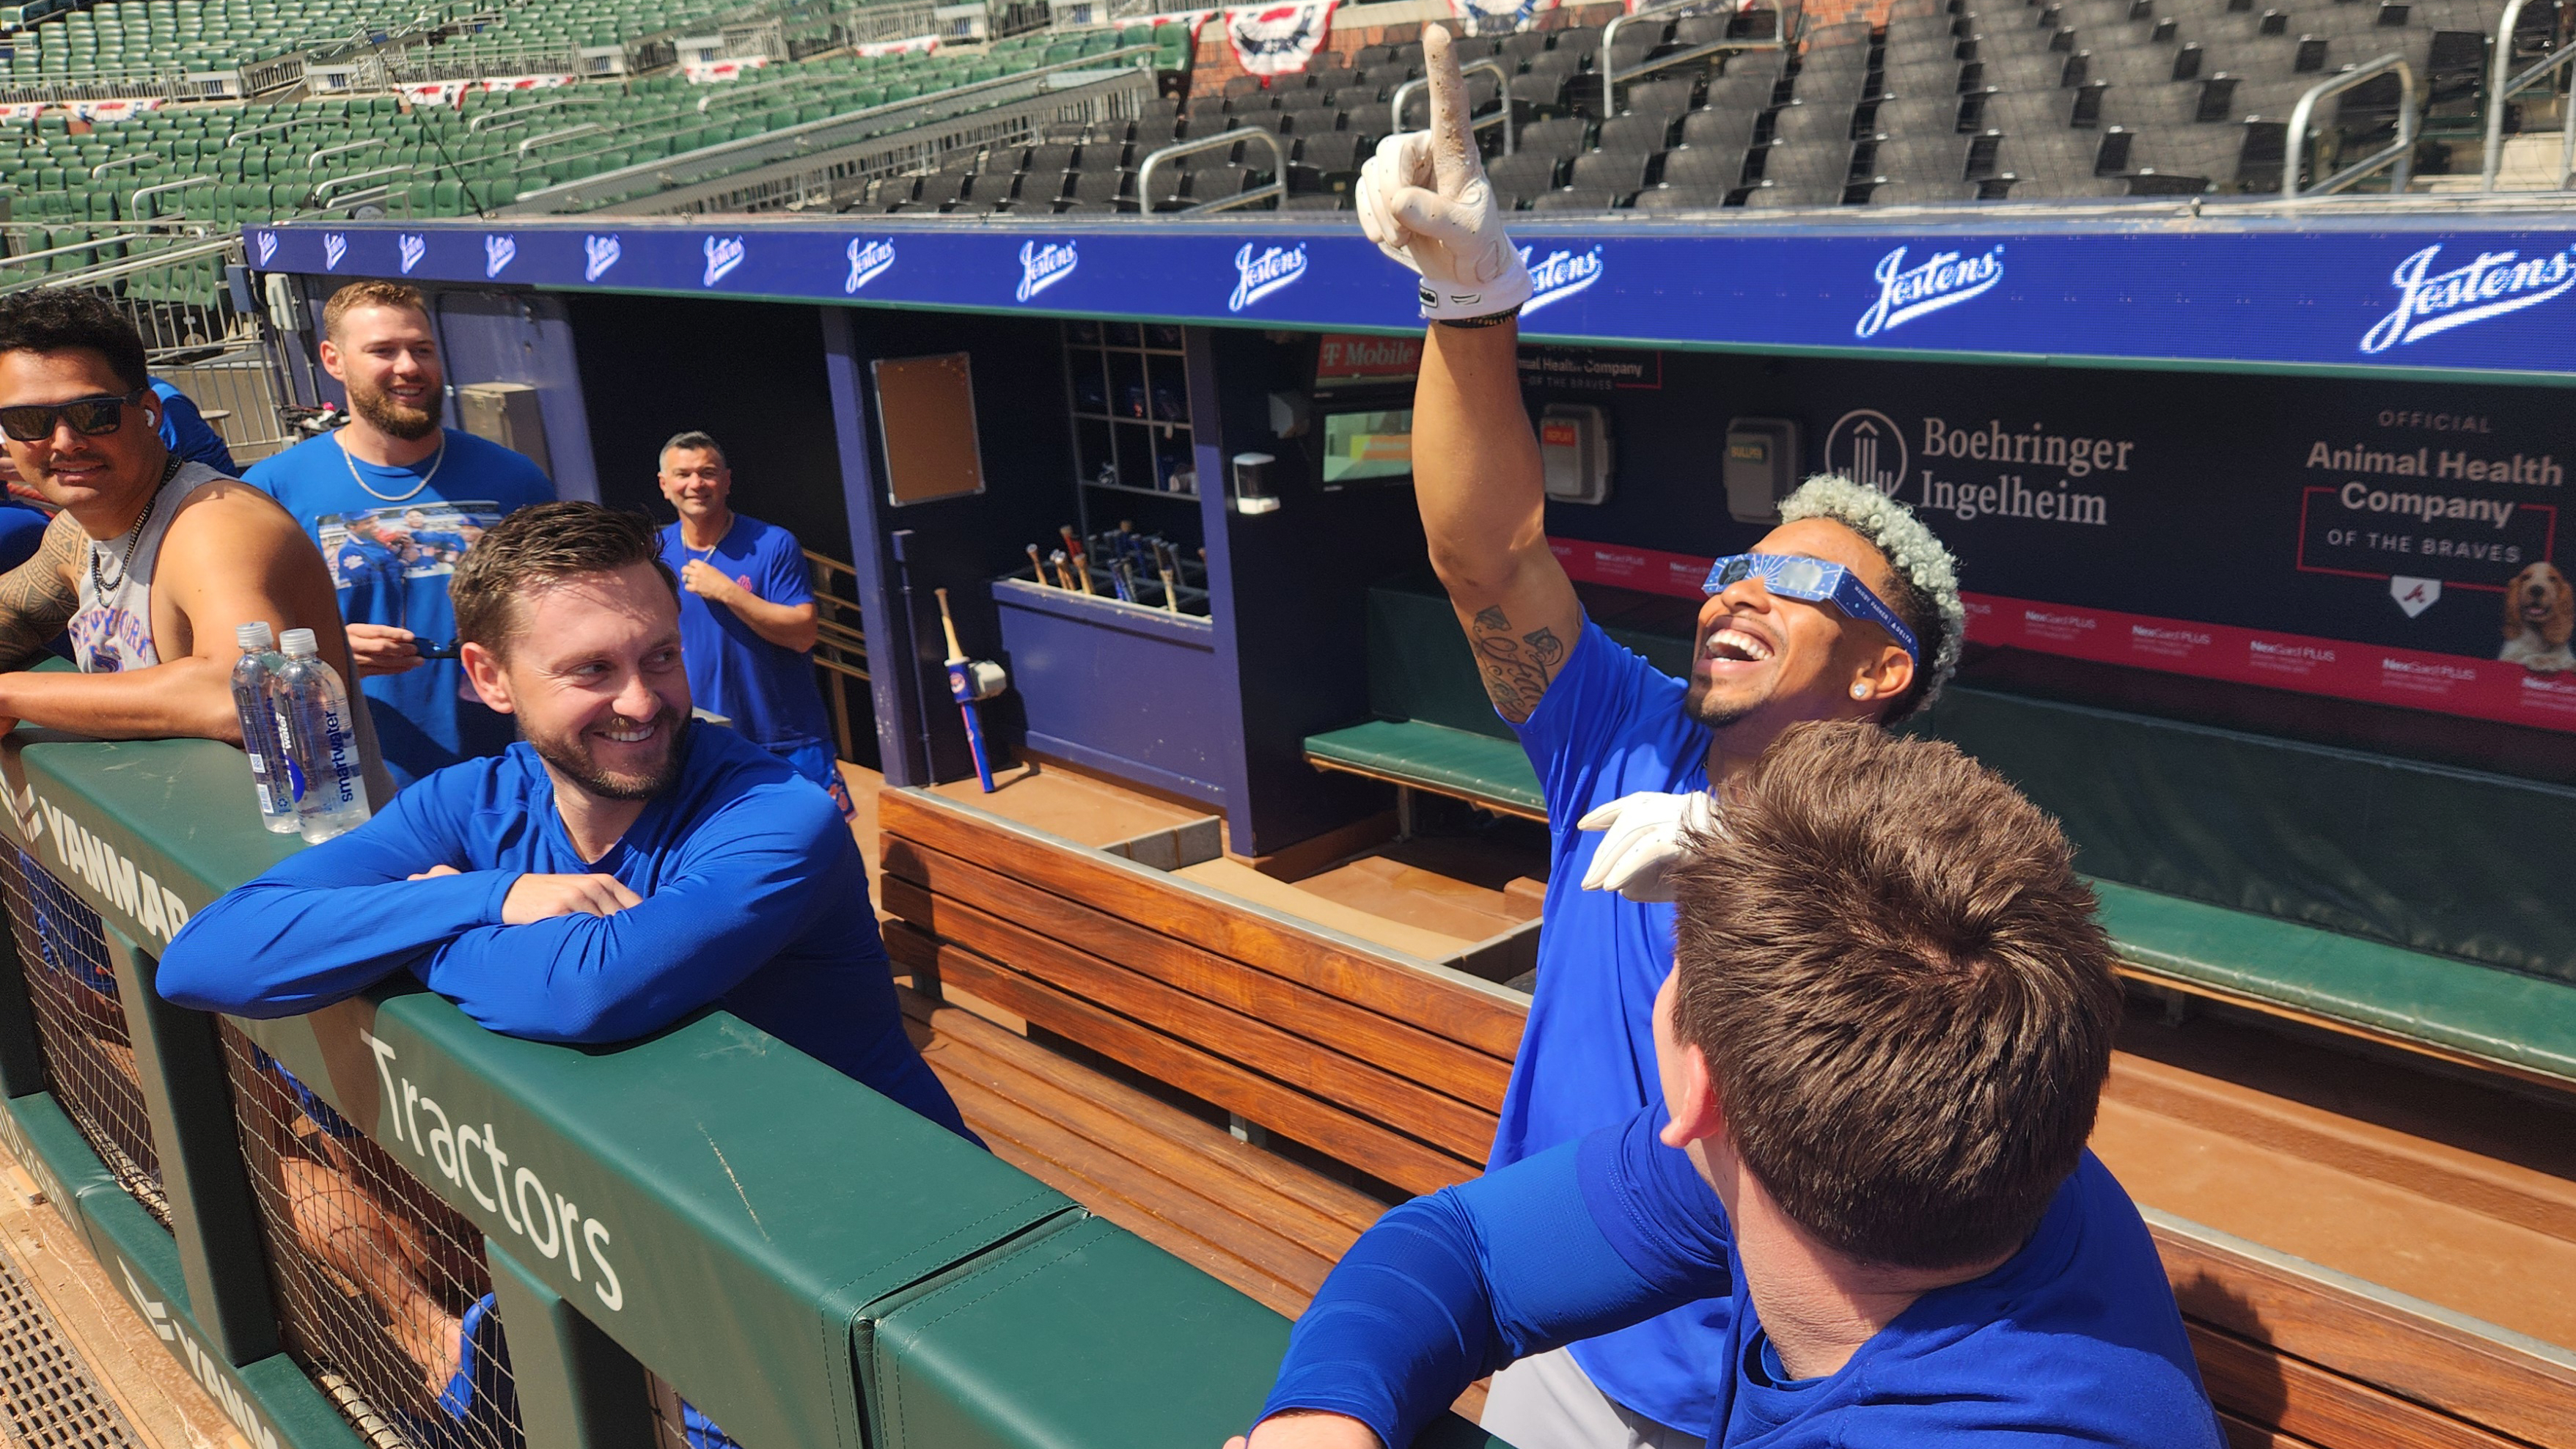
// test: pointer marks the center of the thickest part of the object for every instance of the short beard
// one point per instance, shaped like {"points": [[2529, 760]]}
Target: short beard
{"points": [[1696, 707], [390, 417], [573, 761]]}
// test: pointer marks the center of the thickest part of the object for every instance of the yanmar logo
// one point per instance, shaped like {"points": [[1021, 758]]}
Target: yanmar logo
{"points": [[1042, 267], [267, 247], [2430, 302], [723, 255], [210, 1372], [1945, 279], [1559, 275], [598, 254], [412, 248], [869, 260], [1259, 276], [499, 252], [152, 906], [334, 247]]}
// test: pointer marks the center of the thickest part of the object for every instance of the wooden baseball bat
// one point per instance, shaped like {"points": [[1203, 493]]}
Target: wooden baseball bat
{"points": [[1037, 565], [1073, 548], [961, 687]]}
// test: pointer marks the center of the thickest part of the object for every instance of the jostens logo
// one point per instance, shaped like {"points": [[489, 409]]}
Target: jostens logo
{"points": [[413, 247], [267, 247], [1559, 276], [2430, 302], [1259, 276], [334, 247], [869, 260], [1946, 279], [723, 255], [498, 252], [1042, 267], [1867, 447], [599, 253]]}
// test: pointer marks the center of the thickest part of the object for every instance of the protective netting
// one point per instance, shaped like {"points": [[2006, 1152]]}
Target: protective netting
{"points": [[382, 1293], [677, 1424], [80, 1024]]}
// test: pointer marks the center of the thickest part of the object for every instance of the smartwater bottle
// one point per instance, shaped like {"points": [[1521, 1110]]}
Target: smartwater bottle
{"points": [[270, 776], [323, 741]]}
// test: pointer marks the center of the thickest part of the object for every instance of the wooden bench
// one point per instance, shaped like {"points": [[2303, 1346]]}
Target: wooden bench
{"points": [[1396, 1066]]}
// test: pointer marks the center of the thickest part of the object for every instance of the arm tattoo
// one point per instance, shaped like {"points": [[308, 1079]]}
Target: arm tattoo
{"points": [[37, 598], [1516, 666]]}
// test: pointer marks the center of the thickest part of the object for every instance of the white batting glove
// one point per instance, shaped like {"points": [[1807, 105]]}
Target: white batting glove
{"points": [[1645, 833], [1423, 198]]}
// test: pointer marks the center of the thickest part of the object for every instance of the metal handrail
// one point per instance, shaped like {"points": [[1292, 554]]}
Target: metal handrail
{"points": [[515, 116], [737, 92], [2401, 154], [2500, 85], [135, 202], [93, 244], [566, 134], [1609, 72], [136, 159], [322, 188], [110, 271], [372, 142], [1278, 186], [237, 137], [1406, 91]]}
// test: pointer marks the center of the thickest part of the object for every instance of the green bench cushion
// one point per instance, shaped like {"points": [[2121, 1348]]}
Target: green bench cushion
{"points": [[1434, 757]]}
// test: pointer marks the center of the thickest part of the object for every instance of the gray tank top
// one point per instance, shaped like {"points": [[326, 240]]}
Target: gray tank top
{"points": [[112, 631]]}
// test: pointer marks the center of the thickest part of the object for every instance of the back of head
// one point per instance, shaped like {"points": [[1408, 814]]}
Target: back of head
{"points": [[1903, 993], [59, 319], [540, 546], [371, 292]]}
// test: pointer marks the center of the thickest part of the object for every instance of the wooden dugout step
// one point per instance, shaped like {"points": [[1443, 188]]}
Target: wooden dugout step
{"points": [[1393, 1065]]}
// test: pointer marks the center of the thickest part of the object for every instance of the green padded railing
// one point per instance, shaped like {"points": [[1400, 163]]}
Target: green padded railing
{"points": [[807, 1262]]}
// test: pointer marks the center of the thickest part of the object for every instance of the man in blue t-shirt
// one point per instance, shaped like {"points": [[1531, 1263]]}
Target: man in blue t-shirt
{"points": [[747, 616], [185, 431], [1615, 742], [1881, 1049], [614, 872], [385, 498]]}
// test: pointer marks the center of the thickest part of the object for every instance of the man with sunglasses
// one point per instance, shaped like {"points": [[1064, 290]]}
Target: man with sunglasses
{"points": [[356, 490], [1847, 611], [152, 561]]}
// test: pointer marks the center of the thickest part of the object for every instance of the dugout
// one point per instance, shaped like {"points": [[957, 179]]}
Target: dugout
{"points": [[2239, 503]]}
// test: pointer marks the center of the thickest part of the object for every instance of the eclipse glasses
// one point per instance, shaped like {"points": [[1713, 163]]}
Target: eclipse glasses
{"points": [[1794, 576], [94, 416]]}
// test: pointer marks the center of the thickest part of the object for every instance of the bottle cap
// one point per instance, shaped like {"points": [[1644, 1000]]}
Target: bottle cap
{"points": [[300, 644], [253, 635]]}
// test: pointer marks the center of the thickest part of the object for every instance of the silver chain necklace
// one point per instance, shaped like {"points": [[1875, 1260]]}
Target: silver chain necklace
{"points": [[436, 463], [133, 536]]}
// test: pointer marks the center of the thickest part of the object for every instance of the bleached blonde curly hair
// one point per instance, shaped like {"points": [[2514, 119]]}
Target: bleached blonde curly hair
{"points": [[1930, 575]]}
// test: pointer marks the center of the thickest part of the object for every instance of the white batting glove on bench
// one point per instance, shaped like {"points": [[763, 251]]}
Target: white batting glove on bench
{"points": [[1423, 198], [1643, 835]]}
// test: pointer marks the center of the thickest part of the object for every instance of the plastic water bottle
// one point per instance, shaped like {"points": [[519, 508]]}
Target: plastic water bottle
{"points": [[263, 739], [323, 741]]}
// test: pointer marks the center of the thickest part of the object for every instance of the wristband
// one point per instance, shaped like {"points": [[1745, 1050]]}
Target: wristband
{"points": [[1491, 319]]}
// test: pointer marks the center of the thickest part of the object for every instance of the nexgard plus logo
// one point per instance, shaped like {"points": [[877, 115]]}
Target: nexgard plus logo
{"points": [[1944, 279], [2495, 283]]}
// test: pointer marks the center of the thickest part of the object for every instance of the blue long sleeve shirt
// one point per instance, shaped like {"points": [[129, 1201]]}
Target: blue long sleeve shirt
{"points": [[2073, 1340], [754, 899]]}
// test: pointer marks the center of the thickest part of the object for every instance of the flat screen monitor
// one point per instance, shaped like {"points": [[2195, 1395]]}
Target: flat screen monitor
{"points": [[1363, 446]]}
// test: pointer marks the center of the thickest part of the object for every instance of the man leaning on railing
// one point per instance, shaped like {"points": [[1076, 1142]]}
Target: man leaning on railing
{"points": [[614, 871]]}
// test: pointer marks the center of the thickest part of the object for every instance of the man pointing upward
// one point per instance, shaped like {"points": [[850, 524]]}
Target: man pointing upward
{"points": [[1848, 611]]}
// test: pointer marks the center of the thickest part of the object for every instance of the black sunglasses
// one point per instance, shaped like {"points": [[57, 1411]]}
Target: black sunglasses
{"points": [[94, 416]]}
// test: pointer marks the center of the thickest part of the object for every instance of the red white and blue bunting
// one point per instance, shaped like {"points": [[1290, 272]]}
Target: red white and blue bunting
{"points": [[1281, 38]]}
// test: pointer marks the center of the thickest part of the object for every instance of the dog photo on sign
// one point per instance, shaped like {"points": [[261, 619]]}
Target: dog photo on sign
{"points": [[2539, 617]]}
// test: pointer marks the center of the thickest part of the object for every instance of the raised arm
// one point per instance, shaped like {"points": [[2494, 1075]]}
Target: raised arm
{"points": [[231, 556], [1576, 1241], [1425, 201]]}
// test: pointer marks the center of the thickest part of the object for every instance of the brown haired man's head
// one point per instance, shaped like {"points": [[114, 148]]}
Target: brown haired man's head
{"points": [[1892, 1002], [376, 340], [567, 618]]}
